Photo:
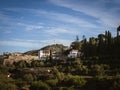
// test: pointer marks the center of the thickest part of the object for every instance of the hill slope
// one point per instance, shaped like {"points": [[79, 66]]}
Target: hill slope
{"points": [[53, 47]]}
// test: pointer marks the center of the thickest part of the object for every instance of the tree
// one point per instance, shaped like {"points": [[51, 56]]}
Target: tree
{"points": [[118, 29], [74, 81], [84, 48], [92, 46], [1, 60], [98, 70], [101, 38], [51, 59], [21, 64], [36, 63], [77, 38], [76, 44], [108, 37]]}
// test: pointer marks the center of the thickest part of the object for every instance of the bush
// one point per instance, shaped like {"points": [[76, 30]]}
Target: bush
{"points": [[97, 70], [21, 64], [58, 75], [116, 83], [20, 83], [7, 83], [38, 85], [36, 63], [28, 78], [64, 88], [75, 81], [8, 86], [4, 69], [52, 82]]}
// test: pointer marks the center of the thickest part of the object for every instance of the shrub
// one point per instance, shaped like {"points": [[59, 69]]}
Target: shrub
{"points": [[59, 75], [52, 82], [75, 81], [7, 83], [28, 78], [38, 85]]}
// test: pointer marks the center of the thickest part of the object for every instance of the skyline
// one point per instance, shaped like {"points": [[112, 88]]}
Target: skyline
{"points": [[27, 24]]}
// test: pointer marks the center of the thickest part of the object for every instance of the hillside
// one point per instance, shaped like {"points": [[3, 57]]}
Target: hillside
{"points": [[53, 47], [32, 52]]}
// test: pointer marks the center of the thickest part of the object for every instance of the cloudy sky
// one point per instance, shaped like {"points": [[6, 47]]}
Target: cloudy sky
{"points": [[32, 24]]}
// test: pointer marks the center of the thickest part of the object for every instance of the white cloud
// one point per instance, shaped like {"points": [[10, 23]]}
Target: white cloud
{"points": [[60, 17], [9, 23], [56, 31], [5, 19], [30, 27], [19, 43], [33, 43], [66, 18], [58, 24], [7, 31], [95, 9], [102, 17], [72, 24]]}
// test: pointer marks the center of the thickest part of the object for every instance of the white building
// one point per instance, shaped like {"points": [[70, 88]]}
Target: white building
{"points": [[43, 54], [55, 55], [74, 54]]}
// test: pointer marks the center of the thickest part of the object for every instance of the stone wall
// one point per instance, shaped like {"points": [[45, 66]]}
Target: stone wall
{"points": [[16, 58]]}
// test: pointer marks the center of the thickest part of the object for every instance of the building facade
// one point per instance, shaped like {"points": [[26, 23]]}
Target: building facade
{"points": [[74, 54], [43, 54]]}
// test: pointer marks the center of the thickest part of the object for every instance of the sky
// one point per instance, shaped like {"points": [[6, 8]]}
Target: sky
{"points": [[32, 24]]}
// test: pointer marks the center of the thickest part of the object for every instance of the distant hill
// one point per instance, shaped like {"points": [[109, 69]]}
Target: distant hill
{"points": [[32, 52], [53, 47]]}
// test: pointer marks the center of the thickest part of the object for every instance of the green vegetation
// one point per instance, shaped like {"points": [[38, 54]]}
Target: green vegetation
{"points": [[39, 85], [97, 68]]}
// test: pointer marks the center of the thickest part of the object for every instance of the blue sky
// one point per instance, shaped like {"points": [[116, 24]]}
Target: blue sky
{"points": [[31, 24]]}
